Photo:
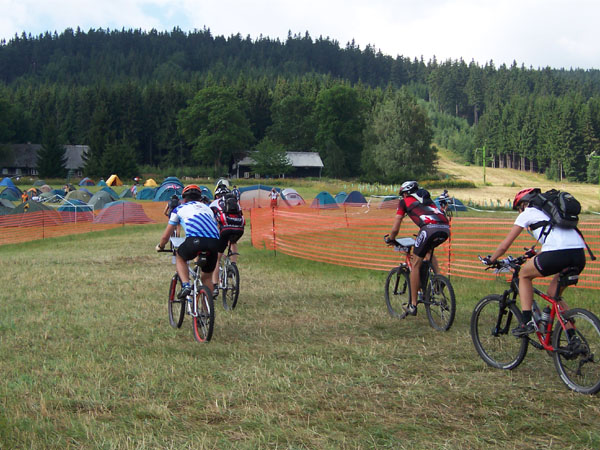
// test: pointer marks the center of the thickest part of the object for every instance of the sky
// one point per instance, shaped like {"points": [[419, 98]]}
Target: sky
{"points": [[533, 33]]}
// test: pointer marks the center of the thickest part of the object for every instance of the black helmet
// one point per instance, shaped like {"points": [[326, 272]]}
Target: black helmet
{"points": [[221, 190], [409, 187]]}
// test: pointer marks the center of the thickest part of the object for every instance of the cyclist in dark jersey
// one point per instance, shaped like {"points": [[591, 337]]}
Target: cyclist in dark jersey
{"points": [[434, 229]]}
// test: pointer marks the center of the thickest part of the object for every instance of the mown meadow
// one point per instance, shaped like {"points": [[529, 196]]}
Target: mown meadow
{"points": [[309, 359]]}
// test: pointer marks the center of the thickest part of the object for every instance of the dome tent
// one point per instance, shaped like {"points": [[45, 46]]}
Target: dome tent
{"points": [[86, 182], [100, 199], [114, 180], [324, 200], [292, 197], [355, 198]]}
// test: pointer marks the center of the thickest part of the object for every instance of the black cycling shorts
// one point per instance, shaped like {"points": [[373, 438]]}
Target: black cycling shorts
{"points": [[429, 237], [550, 263], [192, 245], [229, 236]]}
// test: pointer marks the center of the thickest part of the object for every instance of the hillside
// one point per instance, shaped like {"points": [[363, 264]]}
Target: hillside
{"points": [[502, 184]]}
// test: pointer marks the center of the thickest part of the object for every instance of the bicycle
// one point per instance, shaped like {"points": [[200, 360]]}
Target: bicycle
{"points": [[574, 359], [229, 279], [199, 304], [436, 293]]}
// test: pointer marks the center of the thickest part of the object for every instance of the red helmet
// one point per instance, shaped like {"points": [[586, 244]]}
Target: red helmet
{"points": [[190, 190], [525, 195]]}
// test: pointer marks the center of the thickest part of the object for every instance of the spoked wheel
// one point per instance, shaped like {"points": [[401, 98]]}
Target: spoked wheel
{"points": [[397, 291], [491, 333], [204, 321], [176, 306], [578, 361], [231, 282], [440, 303]]}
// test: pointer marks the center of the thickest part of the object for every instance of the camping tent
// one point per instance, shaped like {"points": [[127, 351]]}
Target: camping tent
{"points": [[150, 183], [114, 180], [122, 212], [45, 188], [101, 183], [100, 199], [7, 182], [10, 193], [33, 192], [454, 204], [355, 198], [146, 194], [75, 206], [389, 202], [127, 193], [172, 180], [111, 192], [7, 204], [340, 197], [79, 194], [255, 196], [86, 182], [206, 191], [292, 198], [324, 200], [39, 183], [50, 197], [166, 191]]}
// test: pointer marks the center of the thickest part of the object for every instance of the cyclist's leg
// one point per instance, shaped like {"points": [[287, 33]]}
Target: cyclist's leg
{"points": [[415, 278], [215, 273], [234, 251], [434, 262]]}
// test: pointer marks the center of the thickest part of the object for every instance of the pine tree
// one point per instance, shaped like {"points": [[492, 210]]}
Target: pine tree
{"points": [[51, 159]]}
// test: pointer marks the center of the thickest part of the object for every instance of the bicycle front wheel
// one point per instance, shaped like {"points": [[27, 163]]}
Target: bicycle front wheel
{"points": [[578, 363], [176, 307], [204, 322], [440, 303], [231, 291], [397, 291], [491, 324]]}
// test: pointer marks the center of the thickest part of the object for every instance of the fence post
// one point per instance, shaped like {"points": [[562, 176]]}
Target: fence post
{"points": [[274, 233]]}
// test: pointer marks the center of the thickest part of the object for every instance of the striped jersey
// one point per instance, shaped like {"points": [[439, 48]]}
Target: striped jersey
{"points": [[196, 218]]}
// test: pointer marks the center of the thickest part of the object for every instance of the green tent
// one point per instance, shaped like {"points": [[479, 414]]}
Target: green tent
{"points": [[79, 194]]}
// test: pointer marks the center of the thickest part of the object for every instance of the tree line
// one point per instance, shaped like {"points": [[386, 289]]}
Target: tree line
{"points": [[193, 99]]}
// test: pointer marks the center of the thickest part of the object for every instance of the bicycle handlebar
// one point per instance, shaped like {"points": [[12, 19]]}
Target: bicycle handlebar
{"points": [[509, 262]]}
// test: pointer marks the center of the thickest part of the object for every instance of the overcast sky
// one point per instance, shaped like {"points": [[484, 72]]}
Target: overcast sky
{"points": [[536, 33]]}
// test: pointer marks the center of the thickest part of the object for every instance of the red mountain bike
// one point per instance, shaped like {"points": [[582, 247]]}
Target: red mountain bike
{"points": [[574, 358]]}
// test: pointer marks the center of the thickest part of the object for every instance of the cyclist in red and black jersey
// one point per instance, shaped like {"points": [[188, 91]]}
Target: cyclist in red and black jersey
{"points": [[434, 229]]}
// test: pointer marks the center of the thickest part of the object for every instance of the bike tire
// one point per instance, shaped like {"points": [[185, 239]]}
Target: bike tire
{"points": [[176, 306], [440, 303], [231, 291], [397, 291], [204, 322], [580, 371], [495, 344]]}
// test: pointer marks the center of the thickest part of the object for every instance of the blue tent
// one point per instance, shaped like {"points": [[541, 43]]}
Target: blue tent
{"points": [[6, 181], [355, 198], [101, 183], [86, 182], [454, 204], [147, 193], [59, 192], [206, 191], [340, 197], [111, 192], [172, 180], [166, 191], [75, 206], [324, 200], [11, 193]]}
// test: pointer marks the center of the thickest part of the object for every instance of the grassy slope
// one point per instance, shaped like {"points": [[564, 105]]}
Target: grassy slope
{"points": [[310, 359]]}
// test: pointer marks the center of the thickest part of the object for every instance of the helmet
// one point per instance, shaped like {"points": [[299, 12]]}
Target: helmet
{"points": [[221, 190], [409, 187], [191, 191], [525, 195]]}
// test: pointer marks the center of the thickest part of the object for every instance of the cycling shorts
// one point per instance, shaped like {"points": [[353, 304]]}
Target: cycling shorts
{"points": [[193, 245], [552, 262], [228, 236], [429, 237]]}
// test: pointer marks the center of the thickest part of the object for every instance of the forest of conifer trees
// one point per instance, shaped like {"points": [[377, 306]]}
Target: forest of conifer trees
{"points": [[156, 98]]}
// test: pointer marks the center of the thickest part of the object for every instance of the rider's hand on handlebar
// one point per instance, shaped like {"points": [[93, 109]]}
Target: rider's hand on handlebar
{"points": [[487, 260], [387, 239], [158, 248]]}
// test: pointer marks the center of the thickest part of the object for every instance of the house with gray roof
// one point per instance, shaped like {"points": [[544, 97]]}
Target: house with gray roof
{"points": [[22, 159], [305, 164]]}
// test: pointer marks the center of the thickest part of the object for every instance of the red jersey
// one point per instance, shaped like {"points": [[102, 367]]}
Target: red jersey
{"points": [[420, 213]]}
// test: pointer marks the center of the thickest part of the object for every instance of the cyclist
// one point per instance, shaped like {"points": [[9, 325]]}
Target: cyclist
{"points": [[201, 234], [236, 192], [171, 205], [434, 229], [561, 248], [273, 196], [444, 200], [230, 219]]}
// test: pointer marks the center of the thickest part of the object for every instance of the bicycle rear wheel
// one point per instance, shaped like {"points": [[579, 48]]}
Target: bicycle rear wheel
{"points": [[204, 322], [440, 303], [176, 307], [491, 324], [579, 366], [232, 286], [397, 291]]}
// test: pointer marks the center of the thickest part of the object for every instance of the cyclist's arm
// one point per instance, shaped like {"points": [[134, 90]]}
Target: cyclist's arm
{"points": [[396, 226], [507, 242], [166, 235]]}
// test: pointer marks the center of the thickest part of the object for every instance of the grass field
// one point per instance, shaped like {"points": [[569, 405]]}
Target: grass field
{"points": [[309, 359]]}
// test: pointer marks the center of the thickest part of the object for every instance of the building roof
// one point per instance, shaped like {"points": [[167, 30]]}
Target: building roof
{"points": [[25, 156], [296, 159]]}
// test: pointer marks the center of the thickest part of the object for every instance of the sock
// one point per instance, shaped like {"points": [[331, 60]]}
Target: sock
{"points": [[184, 285], [526, 316]]}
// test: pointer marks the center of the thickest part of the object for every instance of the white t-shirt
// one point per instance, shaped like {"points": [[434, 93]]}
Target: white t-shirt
{"points": [[557, 239]]}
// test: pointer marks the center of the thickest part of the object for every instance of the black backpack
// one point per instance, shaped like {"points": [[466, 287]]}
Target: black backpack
{"points": [[230, 204], [562, 210]]}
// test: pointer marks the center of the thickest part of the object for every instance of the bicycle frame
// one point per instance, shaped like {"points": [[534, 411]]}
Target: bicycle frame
{"points": [[427, 268], [556, 311]]}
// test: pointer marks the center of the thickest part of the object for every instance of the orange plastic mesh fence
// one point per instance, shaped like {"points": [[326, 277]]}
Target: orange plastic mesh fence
{"points": [[354, 237], [44, 224]]}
